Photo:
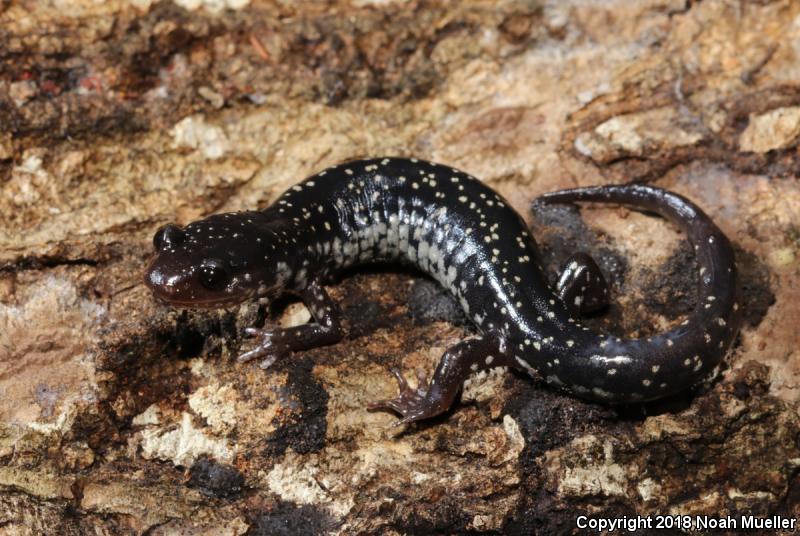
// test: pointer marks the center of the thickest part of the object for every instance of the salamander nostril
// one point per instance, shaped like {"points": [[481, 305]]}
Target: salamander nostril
{"points": [[168, 236]]}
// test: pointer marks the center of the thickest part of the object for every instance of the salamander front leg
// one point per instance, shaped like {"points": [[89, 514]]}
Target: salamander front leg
{"points": [[436, 397], [581, 286], [276, 343]]}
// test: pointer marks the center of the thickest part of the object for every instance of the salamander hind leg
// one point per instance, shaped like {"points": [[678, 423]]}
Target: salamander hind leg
{"points": [[276, 343], [432, 398], [581, 286]]}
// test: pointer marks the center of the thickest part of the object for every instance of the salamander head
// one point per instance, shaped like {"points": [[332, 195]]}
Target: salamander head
{"points": [[219, 261]]}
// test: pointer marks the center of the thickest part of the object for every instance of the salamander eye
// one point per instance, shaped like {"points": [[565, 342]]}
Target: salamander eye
{"points": [[213, 276], [168, 236]]}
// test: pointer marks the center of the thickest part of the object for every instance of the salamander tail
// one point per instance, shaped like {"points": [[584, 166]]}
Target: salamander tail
{"points": [[626, 370]]}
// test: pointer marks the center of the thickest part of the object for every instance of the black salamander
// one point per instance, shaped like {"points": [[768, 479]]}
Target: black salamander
{"points": [[464, 235]]}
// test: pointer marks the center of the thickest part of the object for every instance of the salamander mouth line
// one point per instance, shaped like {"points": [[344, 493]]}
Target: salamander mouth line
{"points": [[203, 304]]}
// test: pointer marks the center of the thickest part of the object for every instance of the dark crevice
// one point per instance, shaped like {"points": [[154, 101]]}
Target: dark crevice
{"points": [[44, 262]]}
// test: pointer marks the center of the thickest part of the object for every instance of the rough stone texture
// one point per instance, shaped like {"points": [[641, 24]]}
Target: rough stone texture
{"points": [[122, 416]]}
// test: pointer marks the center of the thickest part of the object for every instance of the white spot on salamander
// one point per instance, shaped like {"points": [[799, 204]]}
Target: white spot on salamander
{"points": [[615, 360], [602, 393], [525, 365]]}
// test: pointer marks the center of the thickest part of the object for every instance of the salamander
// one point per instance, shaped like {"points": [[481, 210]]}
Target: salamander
{"points": [[454, 228]]}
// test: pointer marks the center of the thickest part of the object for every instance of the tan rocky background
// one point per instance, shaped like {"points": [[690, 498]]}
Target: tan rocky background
{"points": [[122, 416]]}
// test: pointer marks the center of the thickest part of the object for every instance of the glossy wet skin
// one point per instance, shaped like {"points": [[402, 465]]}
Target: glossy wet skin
{"points": [[451, 226], [219, 261]]}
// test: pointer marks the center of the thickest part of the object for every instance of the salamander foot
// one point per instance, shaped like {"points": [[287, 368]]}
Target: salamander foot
{"points": [[273, 345], [413, 404]]}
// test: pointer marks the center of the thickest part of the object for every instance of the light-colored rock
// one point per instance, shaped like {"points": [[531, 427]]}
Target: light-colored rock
{"points": [[776, 129], [217, 405], [195, 133], [637, 134], [182, 443]]}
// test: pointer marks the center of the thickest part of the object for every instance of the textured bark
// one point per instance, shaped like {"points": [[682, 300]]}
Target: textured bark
{"points": [[119, 415]]}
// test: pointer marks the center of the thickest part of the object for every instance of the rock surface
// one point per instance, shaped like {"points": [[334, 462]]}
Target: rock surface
{"points": [[122, 416]]}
